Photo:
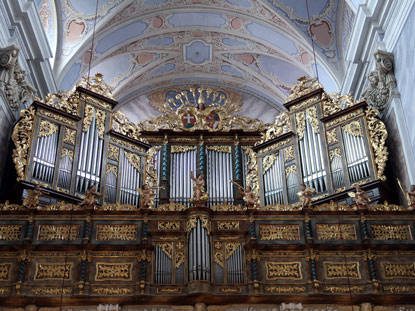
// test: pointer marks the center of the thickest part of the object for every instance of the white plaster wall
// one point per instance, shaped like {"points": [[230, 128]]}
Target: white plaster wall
{"points": [[404, 52]]}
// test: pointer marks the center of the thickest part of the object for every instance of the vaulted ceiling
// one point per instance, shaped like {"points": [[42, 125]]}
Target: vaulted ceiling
{"points": [[255, 47]]}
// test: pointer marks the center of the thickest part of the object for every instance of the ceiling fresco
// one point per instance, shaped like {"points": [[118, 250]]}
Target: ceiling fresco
{"points": [[258, 48]]}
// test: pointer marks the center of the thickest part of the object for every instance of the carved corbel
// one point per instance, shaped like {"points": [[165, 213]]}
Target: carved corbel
{"points": [[12, 79]]}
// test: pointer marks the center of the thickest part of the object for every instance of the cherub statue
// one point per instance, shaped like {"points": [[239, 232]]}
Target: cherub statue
{"points": [[361, 198], [247, 195], [199, 194], [147, 194], [409, 195], [32, 199], [305, 196], [90, 195]]}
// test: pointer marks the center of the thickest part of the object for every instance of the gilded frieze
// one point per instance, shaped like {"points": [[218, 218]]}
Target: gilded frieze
{"points": [[58, 232], [275, 146], [106, 271], [267, 162], [10, 232], [284, 289], [289, 154], [283, 270], [230, 290], [302, 87], [169, 290], [46, 128], [353, 128], [340, 270], [127, 144], [220, 148], [225, 207], [327, 232], [343, 289], [344, 118], [112, 291], [279, 232], [53, 271], [228, 225], [57, 117], [111, 232], [134, 159], [111, 169], [393, 270], [51, 291], [399, 289], [171, 207], [391, 232], [5, 269], [182, 148], [168, 225], [67, 153]]}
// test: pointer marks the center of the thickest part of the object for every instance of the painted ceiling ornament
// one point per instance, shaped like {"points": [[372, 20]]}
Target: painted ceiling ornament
{"points": [[382, 82], [201, 97], [304, 86], [97, 85]]}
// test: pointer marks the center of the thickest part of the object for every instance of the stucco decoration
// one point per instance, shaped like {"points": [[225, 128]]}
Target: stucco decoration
{"points": [[381, 81], [12, 79]]}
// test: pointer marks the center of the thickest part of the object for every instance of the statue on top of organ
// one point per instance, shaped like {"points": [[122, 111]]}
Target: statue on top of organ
{"points": [[327, 143]]}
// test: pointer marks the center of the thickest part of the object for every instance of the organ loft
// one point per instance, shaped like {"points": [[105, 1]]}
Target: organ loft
{"points": [[202, 207]]}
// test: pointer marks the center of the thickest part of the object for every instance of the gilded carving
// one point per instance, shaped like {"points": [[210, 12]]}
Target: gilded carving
{"points": [[22, 139], [127, 144], [267, 162], [116, 207], [113, 152], [168, 225], [58, 232], [334, 153], [57, 117], [100, 115], [97, 85], [343, 289], [46, 128], [10, 232], [353, 128], [111, 169], [300, 124], [5, 290], [302, 87], [184, 148], [111, 232], [220, 148], [398, 270], [108, 271], [292, 169], [51, 291], [230, 248], [225, 207], [399, 289], [312, 119], [345, 117], [53, 271], [5, 269], [192, 222], [230, 290], [289, 154], [283, 270], [378, 135], [252, 173], [151, 177], [275, 146], [339, 270], [335, 102], [134, 159], [280, 126], [332, 137], [386, 207], [167, 248], [169, 290], [69, 136], [228, 225], [285, 289], [67, 153], [391, 232], [327, 232], [119, 291], [272, 232], [171, 207]]}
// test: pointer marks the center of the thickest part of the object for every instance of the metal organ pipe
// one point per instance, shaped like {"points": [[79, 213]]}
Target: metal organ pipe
{"points": [[199, 253], [45, 157]]}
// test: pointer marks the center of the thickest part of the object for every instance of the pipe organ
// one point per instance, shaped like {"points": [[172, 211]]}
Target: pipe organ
{"points": [[237, 228]]}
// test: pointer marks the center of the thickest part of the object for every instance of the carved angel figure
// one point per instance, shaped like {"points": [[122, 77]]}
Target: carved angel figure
{"points": [[199, 194], [90, 195], [305, 196], [32, 199], [409, 195], [247, 195], [147, 195], [361, 198]]}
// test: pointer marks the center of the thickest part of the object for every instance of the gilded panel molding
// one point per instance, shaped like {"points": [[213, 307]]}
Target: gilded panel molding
{"points": [[225, 207], [5, 269], [111, 232], [399, 289], [339, 270], [180, 148], [327, 232], [343, 289], [283, 270], [57, 117], [230, 290], [284, 289], [106, 271], [51, 291], [228, 225], [391, 232], [281, 232], [220, 148], [67, 153], [171, 207], [344, 118], [113, 152], [275, 146], [53, 271], [58, 232], [111, 169], [5, 291], [192, 222], [127, 144], [169, 290], [10, 232], [168, 225], [118, 291], [393, 270]]}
